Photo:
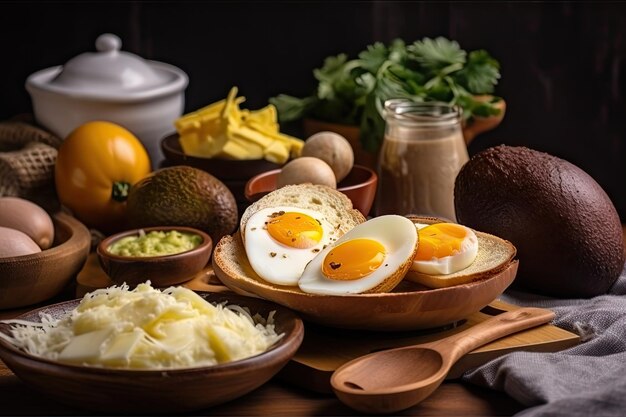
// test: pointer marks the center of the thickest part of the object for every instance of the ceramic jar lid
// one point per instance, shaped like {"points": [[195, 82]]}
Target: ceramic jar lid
{"points": [[111, 73]]}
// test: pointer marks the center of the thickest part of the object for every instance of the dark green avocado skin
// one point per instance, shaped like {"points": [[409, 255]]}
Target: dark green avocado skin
{"points": [[567, 232], [183, 196]]}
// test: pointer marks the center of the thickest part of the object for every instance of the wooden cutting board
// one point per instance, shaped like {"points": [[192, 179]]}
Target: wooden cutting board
{"points": [[324, 349]]}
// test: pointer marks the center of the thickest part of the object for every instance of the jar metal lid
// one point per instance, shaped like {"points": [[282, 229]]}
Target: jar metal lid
{"points": [[425, 114], [110, 74]]}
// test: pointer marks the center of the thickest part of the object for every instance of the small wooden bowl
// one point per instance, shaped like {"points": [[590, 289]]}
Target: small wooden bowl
{"points": [[159, 391], [162, 271], [30, 279], [409, 306], [359, 185]]}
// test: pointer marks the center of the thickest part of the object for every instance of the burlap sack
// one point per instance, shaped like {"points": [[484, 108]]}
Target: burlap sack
{"points": [[27, 158], [27, 168]]}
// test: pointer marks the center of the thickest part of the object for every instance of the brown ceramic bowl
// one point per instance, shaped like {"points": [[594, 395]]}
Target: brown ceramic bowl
{"points": [[359, 185], [158, 391], [163, 270], [233, 173], [30, 279]]}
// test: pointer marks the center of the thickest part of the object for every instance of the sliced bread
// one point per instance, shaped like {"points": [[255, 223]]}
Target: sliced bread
{"points": [[334, 205], [494, 255]]}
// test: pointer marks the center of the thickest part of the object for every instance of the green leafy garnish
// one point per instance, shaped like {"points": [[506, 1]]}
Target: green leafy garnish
{"points": [[439, 55], [353, 91]]}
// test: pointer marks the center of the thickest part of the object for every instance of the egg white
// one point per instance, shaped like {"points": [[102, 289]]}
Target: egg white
{"points": [[396, 233], [450, 264], [273, 261]]}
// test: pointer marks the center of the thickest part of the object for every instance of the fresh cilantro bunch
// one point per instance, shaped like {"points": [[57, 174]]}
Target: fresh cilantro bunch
{"points": [[354, 91]]}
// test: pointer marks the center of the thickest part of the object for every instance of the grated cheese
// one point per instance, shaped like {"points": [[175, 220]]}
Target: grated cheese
{"points": [[145, 328]]}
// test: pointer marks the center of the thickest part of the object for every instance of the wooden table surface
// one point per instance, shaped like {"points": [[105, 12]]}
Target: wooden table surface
{"points": [[277, 398]]}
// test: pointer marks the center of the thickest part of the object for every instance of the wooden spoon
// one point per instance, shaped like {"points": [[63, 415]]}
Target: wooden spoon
{"points": [[393, 380]]}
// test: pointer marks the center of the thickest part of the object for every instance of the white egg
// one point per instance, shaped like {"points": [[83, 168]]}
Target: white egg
{"points": [[372, 257], [444, 248], [280, 241]]}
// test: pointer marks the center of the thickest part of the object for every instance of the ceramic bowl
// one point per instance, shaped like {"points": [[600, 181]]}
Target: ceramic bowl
{"points": [[30, 279], [162, 271], [359, 185], [145, 97], [151, 392], [233, 173]]}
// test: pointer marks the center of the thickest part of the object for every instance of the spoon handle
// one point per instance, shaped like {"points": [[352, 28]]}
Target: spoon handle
{"points": [[499, 326]]}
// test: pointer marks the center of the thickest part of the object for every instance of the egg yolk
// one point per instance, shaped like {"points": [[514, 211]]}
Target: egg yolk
{"points": [[353, 259], [439, 240], [296, 230]]}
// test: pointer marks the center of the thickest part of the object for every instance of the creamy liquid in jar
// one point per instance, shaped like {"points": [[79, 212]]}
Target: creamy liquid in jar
{"points": [[421, 155]]}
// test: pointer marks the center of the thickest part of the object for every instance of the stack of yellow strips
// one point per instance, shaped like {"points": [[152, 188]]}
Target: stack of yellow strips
{"points": [[223, 130]]}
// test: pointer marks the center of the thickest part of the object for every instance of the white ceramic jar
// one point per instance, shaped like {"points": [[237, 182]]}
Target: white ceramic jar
{"points": [[143, 96]]}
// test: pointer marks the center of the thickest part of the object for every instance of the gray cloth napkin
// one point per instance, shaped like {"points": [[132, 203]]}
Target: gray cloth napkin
{"points": [[586, 380]]}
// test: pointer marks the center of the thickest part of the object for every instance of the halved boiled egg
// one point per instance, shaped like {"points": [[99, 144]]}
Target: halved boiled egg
{"points": [[444, 248], [372, 257], [280, 241]]}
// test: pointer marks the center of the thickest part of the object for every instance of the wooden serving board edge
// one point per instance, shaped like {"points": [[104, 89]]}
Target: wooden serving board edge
{"points": [[306, 373]]}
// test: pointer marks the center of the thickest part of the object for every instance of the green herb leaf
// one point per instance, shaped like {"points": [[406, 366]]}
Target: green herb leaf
{"points": [[436, 54], [414, 79], [354, 91], [292, 108], [373, 57], [333, 67], [481, 73], [485, 110], [372, 124], [367, 81], [329, 75], [397, 51], [439, 90], [472, 107]]}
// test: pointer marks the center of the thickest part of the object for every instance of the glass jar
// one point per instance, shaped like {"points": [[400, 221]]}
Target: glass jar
{"points": [[422, 152]]}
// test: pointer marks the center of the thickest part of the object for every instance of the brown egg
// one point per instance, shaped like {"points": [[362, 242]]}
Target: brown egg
{"points": [[16, 243], [29, 218], [306, 169], [333, 149]]}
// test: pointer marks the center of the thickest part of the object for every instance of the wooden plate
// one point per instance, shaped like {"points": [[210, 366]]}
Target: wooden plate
{"points": [[409, 307], [155, 391]]}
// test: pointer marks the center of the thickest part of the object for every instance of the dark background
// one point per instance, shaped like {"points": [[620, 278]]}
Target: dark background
{"points": [[562, 63]]}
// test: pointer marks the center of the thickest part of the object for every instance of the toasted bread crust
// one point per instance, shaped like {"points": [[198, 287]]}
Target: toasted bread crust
{"points": [[334, 205]]}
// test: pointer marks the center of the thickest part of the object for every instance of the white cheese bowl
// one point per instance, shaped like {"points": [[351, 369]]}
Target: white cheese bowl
{"points": [[143, 96]]}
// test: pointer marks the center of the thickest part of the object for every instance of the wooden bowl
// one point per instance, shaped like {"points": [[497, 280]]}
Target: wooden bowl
{"points": [[359, 185], [409, 307], [224, 169], [162, 271], [159, 391], [233, 173], [30, 279]]}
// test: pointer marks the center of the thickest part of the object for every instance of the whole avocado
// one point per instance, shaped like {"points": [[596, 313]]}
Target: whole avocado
{"points": [[183, 196], [567, 232]]}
